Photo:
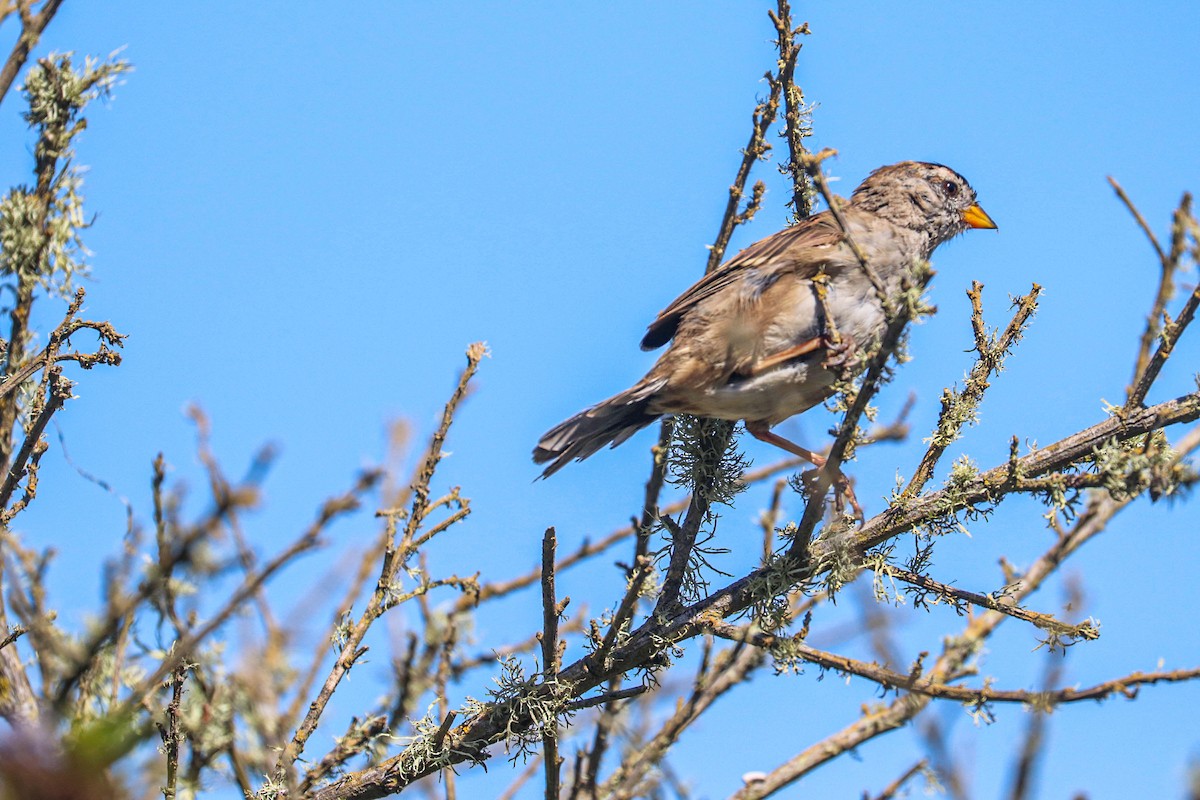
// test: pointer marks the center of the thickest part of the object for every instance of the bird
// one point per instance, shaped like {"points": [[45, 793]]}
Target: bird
{"points": [[768, 334]]}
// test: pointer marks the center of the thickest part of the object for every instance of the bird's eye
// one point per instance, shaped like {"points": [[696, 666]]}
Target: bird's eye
{"points": [[950, 188]]}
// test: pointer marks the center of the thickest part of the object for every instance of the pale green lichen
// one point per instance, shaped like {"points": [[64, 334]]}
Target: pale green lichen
{"points": [[40, 225], [705, 460]]}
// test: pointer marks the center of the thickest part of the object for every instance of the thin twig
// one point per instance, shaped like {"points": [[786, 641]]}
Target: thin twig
{"points": [[491, 591], [931, 685], [1033, 746], [171, 734], [812, 166], [890, 790], [441, 681], [958, 408], [357, 738], [654, 486], [1169, 263], [787, 42], [683, 540], [588, 770], [549, 638], [32, 26], [764, 117], [395, 555], [871, 383], [523, 778], [1085, 630], [1141, 221], [991, 485], [728, 669], [603, 699], [250, 585], [1170, 336], [641, 570], [59, 392]]}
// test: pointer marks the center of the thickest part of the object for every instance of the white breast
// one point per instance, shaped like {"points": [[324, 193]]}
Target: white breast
{"points": [[773, 396]]}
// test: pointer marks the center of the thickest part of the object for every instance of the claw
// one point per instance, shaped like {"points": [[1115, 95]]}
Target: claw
{"points": [[843, 491], [839, 352]]}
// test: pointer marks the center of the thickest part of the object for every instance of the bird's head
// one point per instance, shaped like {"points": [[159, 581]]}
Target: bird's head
{"points": [[930, 198]]}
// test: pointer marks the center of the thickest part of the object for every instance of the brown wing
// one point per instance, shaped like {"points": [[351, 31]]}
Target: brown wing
{"points": [[790, 250]]}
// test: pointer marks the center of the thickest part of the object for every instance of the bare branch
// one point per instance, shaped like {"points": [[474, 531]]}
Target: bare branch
{"points": [[764, 116], [958, 408], [550, 656], [394, 556], [1170, 336], [812, 166], [796, 127], [892, 788], [32, 26], [1141, 221], [1084, 630]]}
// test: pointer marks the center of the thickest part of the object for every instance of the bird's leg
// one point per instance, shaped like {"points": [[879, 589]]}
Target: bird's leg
{"points": [[838, 350], [783, 356], [761, 431], [838, 347]]}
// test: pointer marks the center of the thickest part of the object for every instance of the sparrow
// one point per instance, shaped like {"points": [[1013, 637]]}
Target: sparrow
{"points": [[767, 334]]}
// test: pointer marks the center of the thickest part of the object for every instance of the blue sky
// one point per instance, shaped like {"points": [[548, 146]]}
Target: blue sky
{"points": [[306, 212]]}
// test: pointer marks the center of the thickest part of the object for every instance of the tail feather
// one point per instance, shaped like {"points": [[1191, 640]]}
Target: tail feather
{"points": [[609, 422]]}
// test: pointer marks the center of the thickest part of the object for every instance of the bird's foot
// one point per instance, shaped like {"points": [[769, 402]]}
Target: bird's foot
{"points": [[843, 491], [838, 353]]}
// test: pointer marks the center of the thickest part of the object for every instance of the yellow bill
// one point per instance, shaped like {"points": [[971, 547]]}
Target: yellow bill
{"points": [[976, 217]]}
